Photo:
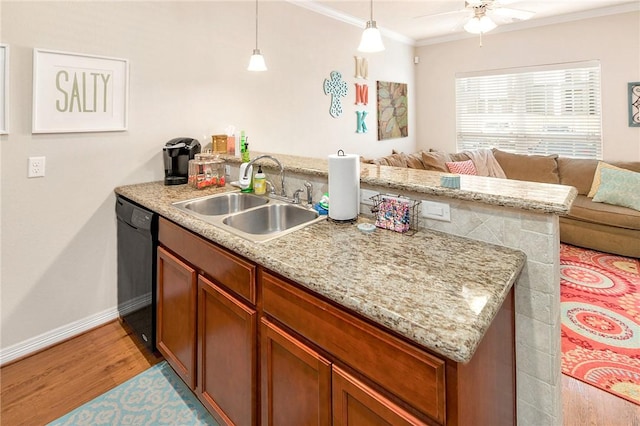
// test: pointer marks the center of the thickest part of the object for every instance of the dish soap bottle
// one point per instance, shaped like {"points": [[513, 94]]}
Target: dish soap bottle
{"points": [[244, 148], [260, 182]]}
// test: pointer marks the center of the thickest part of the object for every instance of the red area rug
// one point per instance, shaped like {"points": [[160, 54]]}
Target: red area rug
{"points": [[600, 307]]}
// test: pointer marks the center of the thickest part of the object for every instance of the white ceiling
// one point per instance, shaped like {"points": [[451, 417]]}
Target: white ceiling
{"points": [[412, 21]]}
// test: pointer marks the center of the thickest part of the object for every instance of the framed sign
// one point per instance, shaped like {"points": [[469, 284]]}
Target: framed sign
{"points": [[634, 104], [74, 92], [4, 89]]}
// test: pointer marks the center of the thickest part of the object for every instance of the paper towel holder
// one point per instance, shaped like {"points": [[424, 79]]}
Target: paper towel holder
{"points": [[352, 220]]}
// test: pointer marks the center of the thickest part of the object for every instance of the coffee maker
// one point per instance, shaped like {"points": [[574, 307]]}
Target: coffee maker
{"points": [[177, 153]]}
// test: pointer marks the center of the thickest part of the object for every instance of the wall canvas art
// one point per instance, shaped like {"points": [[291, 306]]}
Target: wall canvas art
{"points": [[392, 110], [634, 104], [4, 88]]}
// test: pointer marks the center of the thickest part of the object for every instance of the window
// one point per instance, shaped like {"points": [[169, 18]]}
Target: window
{"points": [[553, 109]]}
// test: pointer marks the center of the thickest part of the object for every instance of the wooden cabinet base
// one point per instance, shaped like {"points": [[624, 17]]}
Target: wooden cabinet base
{"points": [[356, 404], [176, 315], [296, 381], [226, 355]]}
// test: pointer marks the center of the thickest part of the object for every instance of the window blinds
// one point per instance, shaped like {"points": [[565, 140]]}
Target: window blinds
{"points": [[553, 109]]}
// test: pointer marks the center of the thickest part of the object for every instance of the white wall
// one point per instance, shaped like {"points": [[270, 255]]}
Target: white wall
{"points": [[187, 77], [613, 40]]}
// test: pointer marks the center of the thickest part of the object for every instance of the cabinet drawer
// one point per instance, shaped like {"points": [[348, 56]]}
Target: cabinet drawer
{"points": [[413, 375], [233, 272]]}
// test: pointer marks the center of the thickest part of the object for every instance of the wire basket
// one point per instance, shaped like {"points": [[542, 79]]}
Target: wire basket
{"points": [[396, 213]]}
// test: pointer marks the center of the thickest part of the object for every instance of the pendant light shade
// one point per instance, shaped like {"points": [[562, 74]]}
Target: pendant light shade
{"points": [[256, 63], [479, 25], [371, 38]]}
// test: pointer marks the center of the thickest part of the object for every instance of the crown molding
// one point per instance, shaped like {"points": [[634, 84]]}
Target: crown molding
{"points": [[569, 17], [351, 20]]}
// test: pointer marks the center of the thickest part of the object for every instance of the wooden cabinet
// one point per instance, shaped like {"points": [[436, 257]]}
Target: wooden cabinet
{"points": [[356, 404], [296, 381], [313, 362], [206, 313], [226, 354], [379, 378], [176, 314], [409, 373]]}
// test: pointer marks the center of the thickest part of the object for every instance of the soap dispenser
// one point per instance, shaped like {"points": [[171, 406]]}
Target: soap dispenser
{"points": [[260, 182]]}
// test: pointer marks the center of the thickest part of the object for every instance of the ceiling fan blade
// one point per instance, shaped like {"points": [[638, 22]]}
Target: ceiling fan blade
{"points": [[519, 14], [437, 15]]}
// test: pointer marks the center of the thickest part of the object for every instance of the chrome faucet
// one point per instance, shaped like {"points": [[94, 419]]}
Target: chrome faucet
{"points": [[296, 196], [309, 187], [275, 160]]}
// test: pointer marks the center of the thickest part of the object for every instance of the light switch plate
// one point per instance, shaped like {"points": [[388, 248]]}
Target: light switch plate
{"points": [[434, 210]]}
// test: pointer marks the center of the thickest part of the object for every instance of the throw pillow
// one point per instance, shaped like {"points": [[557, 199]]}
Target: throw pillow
{"points": [[462, 167], [597, 176], [619, 187], [532, 168], [435, 160]]}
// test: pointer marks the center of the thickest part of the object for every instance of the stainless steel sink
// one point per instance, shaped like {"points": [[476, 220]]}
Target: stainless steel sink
{"points": [[255, 218], [222, 204], [274, 218]]}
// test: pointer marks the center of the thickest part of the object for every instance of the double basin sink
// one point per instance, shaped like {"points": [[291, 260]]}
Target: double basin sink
{"points": [[253, 217]]}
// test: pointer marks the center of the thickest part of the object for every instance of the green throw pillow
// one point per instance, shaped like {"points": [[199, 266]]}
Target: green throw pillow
{"points": [[619, 187]]}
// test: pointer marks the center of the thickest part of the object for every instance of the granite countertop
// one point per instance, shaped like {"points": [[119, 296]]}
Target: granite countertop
{"points": [[540, 197], [439, 290]]}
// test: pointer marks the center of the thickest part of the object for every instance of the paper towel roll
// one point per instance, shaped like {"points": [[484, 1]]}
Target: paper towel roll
{"points": [[344, 186]]}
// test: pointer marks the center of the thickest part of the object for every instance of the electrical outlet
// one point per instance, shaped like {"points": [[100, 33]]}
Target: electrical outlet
{"points": [[437, 211], [36, 167]]}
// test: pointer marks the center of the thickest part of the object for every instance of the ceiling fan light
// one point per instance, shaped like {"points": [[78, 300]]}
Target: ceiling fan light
{"points": [[256, 63], [479, 25], [371, 40]]}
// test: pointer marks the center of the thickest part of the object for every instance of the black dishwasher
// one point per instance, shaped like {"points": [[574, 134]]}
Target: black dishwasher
{"points": [[137, 242]]}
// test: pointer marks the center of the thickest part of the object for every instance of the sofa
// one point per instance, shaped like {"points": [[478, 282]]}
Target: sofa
{"points": [[607, 224]]}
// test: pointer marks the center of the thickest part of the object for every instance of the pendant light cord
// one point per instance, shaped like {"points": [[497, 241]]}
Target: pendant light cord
{"points": [[256, 24], [371, 11]]}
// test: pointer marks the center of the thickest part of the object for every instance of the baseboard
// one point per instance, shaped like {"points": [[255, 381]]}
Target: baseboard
{"points": [[57, 335]]}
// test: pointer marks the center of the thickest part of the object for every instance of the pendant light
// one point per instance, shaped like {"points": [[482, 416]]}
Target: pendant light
{"points": [[256, 63], [371, 38]]}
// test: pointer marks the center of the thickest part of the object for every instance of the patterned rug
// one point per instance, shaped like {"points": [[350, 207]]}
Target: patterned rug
{"points": [[153, 397], [600, 308]]}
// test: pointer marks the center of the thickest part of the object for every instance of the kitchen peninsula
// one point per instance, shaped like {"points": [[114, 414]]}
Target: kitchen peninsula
{"points": [[442, 294]]}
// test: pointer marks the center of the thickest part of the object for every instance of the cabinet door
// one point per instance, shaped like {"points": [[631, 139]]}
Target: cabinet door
{"points": [[356, 404], [296, 381], [176, 315], [227, 355]]}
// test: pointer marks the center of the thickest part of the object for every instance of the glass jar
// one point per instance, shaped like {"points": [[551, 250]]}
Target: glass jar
{"points": [[219, 144], [206, 170]]}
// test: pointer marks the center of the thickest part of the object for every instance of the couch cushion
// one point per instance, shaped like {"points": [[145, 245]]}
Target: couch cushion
{"points": [[436, 160], [533, 168], [395, 160], [577, 173], [586, 210], [414, 160], [619, 187]]}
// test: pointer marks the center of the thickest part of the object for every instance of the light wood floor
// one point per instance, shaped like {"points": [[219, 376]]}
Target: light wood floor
{"points": [[47, 385]]}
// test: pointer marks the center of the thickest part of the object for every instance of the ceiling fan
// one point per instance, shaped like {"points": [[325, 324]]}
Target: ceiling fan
{"points": [[485, 15]]}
